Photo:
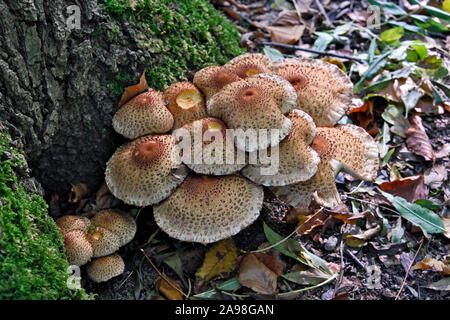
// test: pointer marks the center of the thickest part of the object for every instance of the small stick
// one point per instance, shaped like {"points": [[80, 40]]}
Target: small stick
{"points": [[322, 11], [354, 258], [341, 267], [409, 268], [322, 53]]}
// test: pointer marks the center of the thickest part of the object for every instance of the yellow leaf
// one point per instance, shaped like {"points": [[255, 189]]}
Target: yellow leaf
{"points": [[221, 259], [446, 6], [168, 289], [432, 264], [132, 91]]}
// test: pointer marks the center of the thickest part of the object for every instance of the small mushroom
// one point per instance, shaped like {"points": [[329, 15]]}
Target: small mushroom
{"points": [[185, 102], [349, 148], [204, 159], [119, 222], [249, 64], [105, 268], [212, 79], [78, 249], [141, 172], [142, 115], [69, 222], [258, 102], [206, 209], [297, 161], [323, 90], [103, 241]]}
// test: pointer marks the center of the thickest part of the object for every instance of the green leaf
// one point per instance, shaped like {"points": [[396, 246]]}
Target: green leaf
{"points": [[397, 232], [273, 53], [229, 285], [392, 35], [427, 204], [387, 157], [410, 99], [407, 26], [389, 8], [323, 41], [174, 262], [342, 29], [421, 50], [373, 69], [307, 277], [426, 219], [385, 138], [436, 12], [431, 62]]}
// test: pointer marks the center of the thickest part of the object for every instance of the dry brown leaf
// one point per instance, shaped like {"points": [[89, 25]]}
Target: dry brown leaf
{"points": [[426, 106], [359, 240], [435, 176], [104, 198], [168, 290], [342, 213], [134, 90], [255, 275], [313, 221], [447, 227], [287, 18], [363, 116], [360, 16], [417, 139], [286, 34], [78, 192], [410, 188], [272, 260], [432, 264]]}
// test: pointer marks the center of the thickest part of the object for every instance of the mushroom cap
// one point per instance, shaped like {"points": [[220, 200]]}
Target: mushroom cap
{"points": [[78, 249], [349, 148], [258, 102], [104, 268], [323, 90], [297, 161], [103, 241], [142, 115], [70, 222], [249, 64], [208, 155], [206, 209], [211, 80], [119, 222], [185, 102], [141, 172]]}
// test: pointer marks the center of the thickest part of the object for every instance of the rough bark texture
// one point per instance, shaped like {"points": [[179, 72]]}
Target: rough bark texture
{"points": [[59, 87]]}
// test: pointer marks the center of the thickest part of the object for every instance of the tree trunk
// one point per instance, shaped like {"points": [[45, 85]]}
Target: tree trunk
{"points": [[59, 84]]}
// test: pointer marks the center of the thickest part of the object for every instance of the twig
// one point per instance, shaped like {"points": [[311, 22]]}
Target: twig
{"points": [[372, 203], [409, 268], [341, 267], [162, 275], [322, 11], [354, 258], [321, 53]]}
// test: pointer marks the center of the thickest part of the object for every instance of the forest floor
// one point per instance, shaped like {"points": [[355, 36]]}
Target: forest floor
{"points": [[381, 254]]}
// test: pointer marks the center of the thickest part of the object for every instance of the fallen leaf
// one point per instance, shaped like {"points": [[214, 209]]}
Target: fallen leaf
{"points": [[417, 139], [255, 275], [432, 264], [167, 288], [219, 260], [443, 284], [78, 192], [358, 240], [363, 116], [287, 17], [426, 106], [313, 221], [308, 277], [134, 90], [435, 176], [443, 152], [447, 227], [272, 260], [342, 213], [360, 16], [286, 34], [410, 188], [104, 198]]}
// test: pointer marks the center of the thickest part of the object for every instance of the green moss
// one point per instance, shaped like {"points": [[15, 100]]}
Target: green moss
{"points": [[181, 36], [33, 264]]}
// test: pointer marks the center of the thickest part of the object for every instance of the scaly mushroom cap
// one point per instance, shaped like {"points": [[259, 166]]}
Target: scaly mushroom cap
{"points": [[69, 222], [297, 160], [211, 80], [104, 268], [120, 223], [249, 64], [103, 241], [206, 209], [349, 148], [144, 114], [258, 102], [208, 155], [185, 102], [323, 90], [142, 172], [78, 249]]}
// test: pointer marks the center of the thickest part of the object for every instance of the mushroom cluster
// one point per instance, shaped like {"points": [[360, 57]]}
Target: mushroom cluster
{"points": [[98, 238], [300, 99]]}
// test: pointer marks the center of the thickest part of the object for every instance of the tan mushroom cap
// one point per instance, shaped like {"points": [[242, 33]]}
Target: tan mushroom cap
{"points": [[258, 102], [70, 222], [103, 241], [206, 209], [119, 222], [142, 115], [297, 161], [211, 151], [185, 102], [145, 171], [105, 268], [323, 90], [249, 64], [211, 80], [78, 249], [349, 148]]}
